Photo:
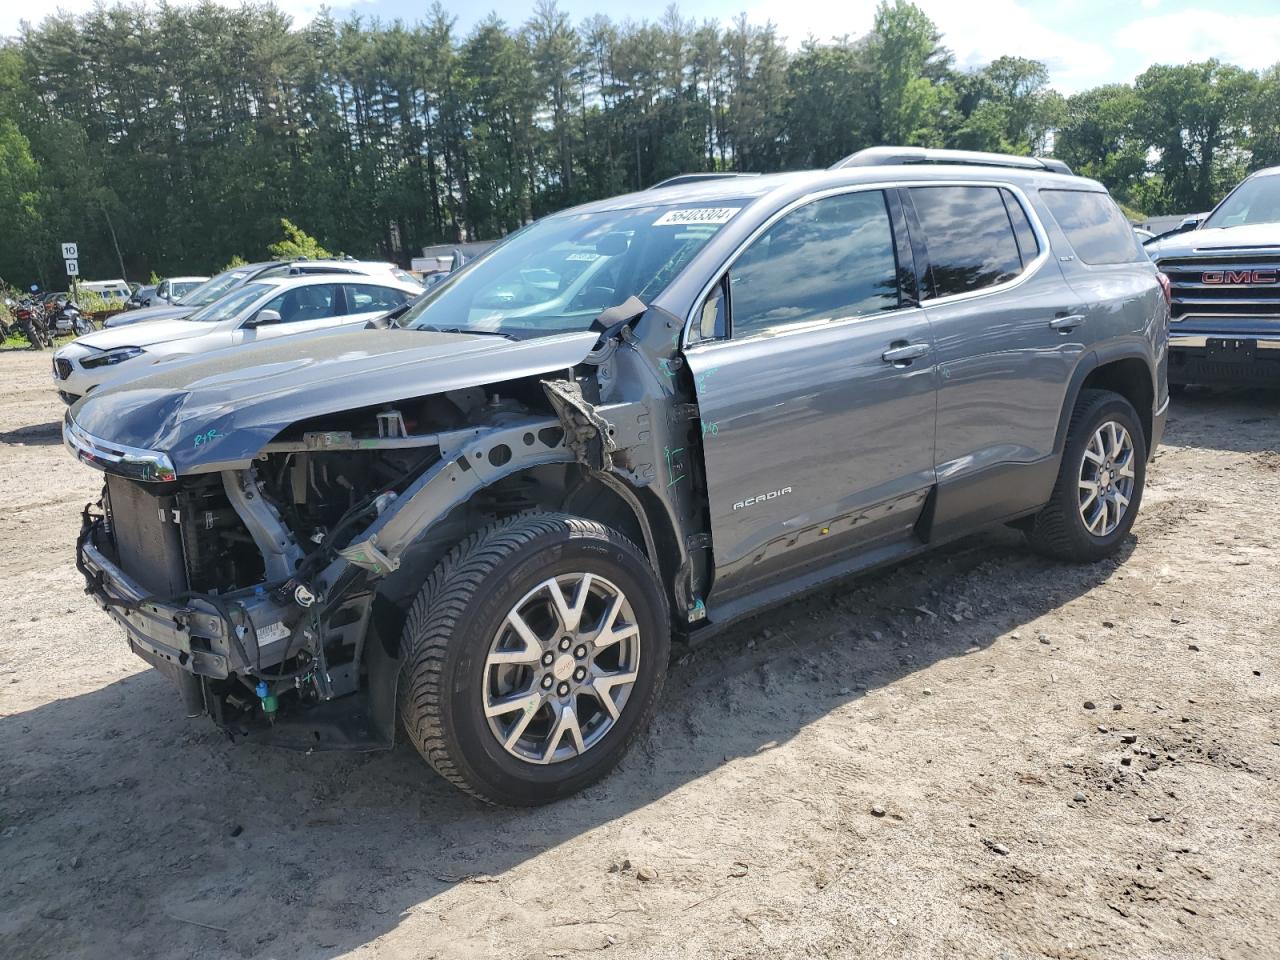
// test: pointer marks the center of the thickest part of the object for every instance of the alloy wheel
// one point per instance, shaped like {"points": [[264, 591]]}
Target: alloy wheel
{"points": [[561, 667], [1106, 478]]}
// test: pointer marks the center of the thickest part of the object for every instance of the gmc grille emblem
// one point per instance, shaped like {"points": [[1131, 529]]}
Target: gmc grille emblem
{"points": [[1238, 277]]}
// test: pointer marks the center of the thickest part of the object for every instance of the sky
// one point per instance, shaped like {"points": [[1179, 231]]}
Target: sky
{"points": [[1083, 42]]}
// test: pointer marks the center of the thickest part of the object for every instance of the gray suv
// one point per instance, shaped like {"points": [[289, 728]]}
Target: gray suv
{"points": [[638, 419]]}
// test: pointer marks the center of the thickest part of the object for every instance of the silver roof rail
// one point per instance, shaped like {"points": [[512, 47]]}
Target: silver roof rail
{"points": [[697, 178], [887, 156]]}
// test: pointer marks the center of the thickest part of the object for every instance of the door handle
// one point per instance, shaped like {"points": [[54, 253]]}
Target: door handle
{"points": [[901, 353], [1067, 324]]}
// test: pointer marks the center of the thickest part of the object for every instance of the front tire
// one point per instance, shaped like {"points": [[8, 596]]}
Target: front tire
{"points": [[1100, 481], [533, 656]]}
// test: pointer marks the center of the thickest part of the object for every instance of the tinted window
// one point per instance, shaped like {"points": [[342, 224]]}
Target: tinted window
{"points": [[314, 302], [969, 236], [1028, 246], [1093, 223], [366, 297], [827, 260]]}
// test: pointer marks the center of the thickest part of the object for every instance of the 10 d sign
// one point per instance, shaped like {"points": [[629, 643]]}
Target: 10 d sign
{"points": [[70, 251]]}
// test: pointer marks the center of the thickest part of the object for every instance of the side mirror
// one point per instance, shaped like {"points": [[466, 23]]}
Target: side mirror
{"points": [[261, 318], [1188, 224]]}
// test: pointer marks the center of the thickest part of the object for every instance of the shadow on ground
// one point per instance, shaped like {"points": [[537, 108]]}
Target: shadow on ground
{"points": [[226, 835]]}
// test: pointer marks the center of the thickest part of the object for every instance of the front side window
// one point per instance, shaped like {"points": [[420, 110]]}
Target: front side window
{"points": [[318, 301], [831, 259], [1094, 225], [560, 273], [969, 236]]}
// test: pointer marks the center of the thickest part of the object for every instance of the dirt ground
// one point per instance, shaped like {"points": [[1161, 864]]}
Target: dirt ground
{"points": [[979, 754]]}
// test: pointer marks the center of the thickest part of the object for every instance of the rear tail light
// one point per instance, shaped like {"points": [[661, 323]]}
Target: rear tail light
{"points": [[1166, 289]]}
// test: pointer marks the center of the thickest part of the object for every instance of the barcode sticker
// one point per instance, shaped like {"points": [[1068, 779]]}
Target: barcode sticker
{"points": [[272, 632], [688, 218]]}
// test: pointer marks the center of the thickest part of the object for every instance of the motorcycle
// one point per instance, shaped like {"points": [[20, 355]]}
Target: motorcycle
{"points": [[33, 323], [68, 318]]}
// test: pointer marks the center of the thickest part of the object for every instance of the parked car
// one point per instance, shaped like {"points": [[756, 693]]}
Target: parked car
{"points": [[1224, 268], [494, 517], [141, 297], [211, 290], [260, 310], [173, 289], [115, 292]]}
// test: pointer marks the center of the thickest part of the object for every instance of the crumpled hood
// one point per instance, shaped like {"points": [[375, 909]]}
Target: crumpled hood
{"points": [[223, 407], [161, 331], [169, 311], [1217, 241]]}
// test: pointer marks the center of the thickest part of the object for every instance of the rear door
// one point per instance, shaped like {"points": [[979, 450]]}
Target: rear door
{"points": [[815, 384], [1009, 331]]}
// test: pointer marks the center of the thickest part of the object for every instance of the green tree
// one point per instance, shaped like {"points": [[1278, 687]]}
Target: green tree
{"points": [[909, 61], [297, 245], [1193, 117]]}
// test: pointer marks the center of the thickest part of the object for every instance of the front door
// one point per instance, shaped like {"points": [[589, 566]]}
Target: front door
{"points": [[817, 395]]}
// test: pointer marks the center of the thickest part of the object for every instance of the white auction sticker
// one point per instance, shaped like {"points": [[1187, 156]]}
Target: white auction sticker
{"points": [[693, 217], [272, 632]]}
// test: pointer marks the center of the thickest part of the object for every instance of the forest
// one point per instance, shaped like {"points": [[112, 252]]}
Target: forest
{"points": [[173, 139]]}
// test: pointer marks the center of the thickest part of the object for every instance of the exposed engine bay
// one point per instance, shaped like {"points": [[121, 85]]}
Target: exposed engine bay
{"points": [[269, 593]]}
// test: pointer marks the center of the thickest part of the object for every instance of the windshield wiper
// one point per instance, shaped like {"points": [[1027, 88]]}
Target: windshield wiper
{"points": [[479, 333]]}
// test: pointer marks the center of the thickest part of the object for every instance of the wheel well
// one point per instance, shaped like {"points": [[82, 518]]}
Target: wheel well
{"points": [[559, 487], [1131, 379]]}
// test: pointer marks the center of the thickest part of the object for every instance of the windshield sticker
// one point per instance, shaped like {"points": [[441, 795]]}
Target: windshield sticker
{"points": [[588, 257], [690, 218]]}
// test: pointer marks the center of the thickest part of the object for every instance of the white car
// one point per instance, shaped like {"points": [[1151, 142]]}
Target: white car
{"points": [[259, 310]]}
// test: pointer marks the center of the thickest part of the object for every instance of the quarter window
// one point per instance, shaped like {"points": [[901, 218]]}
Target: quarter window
{"points": [[1094, 225], [970, 238], [829, 260]]}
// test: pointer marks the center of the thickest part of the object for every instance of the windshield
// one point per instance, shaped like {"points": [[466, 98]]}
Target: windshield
{"points": [[559, 274], [181, 289], [1254, 201], [211, 290], [232, 304]]}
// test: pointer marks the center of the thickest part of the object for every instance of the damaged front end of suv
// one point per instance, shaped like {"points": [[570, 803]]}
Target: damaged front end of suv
{"points": [[267, 567]]}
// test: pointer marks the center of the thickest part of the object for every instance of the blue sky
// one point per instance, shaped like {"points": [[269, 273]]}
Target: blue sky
{"points": [[1084, 42]]}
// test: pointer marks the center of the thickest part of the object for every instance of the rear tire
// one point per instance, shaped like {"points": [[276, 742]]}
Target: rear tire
{"points": [[502, 689], [1100, 481]]}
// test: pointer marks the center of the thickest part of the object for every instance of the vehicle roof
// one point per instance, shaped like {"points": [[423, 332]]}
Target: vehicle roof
{"points": [[186, 279], [801, 182], [308, 279], [102, 283], [1265, 172]]}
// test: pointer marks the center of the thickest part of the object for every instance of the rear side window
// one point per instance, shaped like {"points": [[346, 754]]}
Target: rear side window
{"points": [[831, 259], [1094, 225], [969, 236], [365, 297], [1028, 246]]}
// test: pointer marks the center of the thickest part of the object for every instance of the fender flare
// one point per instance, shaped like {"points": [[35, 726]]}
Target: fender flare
{"points": [[1087, 364]]}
